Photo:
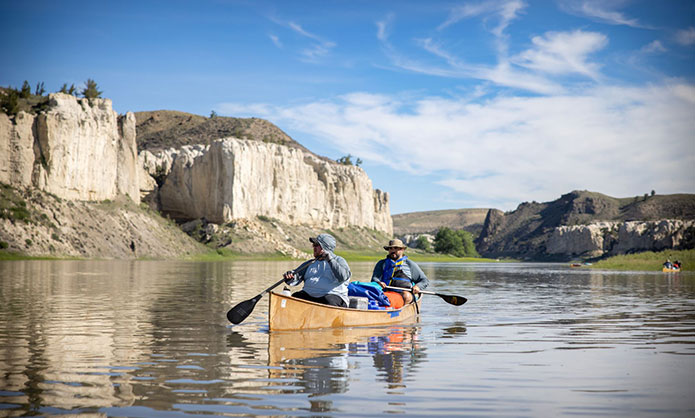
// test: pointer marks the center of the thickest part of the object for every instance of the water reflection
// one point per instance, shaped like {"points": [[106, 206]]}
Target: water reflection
{"points": [[395, 355], [150, 338], [317, 360]]}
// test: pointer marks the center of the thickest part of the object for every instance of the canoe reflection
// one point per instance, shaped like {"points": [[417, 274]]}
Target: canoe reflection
{"points": [[396, 354], [320, 361]]}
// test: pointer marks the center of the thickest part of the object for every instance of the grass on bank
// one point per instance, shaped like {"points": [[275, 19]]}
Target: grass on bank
{"points": [[10, 256], [367, 255], [647, 261], [223, 254]]}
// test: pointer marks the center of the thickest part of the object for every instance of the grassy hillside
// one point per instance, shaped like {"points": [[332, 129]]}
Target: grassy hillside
{"points": [[171, 129], [430, 221]]}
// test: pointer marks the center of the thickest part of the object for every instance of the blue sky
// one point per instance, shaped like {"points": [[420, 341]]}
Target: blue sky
{"points": [[449, 104]]}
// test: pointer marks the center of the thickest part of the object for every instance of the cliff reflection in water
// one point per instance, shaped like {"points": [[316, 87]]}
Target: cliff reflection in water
{"points": [[78, 335]]}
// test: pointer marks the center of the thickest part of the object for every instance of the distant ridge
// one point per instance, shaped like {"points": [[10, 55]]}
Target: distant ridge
{"points": [[161, 129], [430, 221], [524, 232]]}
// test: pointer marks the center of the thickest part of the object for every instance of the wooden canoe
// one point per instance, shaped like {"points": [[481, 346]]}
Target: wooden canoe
{"points": [[289, 313], [670, 270]]}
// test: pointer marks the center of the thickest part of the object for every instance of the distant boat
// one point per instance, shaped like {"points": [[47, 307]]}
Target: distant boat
{"points": [[575, 265], [670, 270]]}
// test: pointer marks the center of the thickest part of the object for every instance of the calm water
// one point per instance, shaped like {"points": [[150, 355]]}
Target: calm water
{"points": [[150, 339]]}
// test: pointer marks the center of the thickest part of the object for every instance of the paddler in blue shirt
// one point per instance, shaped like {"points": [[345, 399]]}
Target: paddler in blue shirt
{"points": [[326, 279], [397, 270]]}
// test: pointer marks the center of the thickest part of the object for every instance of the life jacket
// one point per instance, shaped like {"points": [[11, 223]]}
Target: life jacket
{"points": [[397, 273]]}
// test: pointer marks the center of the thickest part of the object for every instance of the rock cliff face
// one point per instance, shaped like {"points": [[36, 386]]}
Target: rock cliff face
{"points": [[76, 150], [235, 179], [588, 225], [612, 238]]}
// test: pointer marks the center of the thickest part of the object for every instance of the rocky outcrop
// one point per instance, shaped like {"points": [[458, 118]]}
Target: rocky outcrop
{"points": [[589, 225], [78, 149], [613, 238], [243, 179]]}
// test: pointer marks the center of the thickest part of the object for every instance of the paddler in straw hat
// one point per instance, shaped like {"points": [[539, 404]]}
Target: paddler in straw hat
{"points": [[397, 270]]}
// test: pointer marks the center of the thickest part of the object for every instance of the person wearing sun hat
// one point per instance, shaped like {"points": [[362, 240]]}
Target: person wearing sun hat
{"points": [[326, 279], [397, 270]]}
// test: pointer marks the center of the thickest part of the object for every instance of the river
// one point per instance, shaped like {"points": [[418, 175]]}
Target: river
{"points": [[150, 339]]}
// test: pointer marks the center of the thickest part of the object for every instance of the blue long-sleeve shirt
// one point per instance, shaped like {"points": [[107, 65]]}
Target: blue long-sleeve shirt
{"points": [[327, 277]]}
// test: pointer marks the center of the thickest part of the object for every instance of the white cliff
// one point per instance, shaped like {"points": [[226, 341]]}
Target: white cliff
{"points": [[612, 238], [78, 150], [242, 179]]}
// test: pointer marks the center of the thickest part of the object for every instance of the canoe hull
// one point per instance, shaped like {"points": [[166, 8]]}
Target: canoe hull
{"points": [[667, 270], [288, 313]]}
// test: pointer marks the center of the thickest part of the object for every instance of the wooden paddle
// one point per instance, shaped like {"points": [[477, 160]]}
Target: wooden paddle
{"points": [[243, 309], [451, 299]]}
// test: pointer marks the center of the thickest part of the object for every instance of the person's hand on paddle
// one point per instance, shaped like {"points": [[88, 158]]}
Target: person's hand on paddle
{"points": [[290, 278], [415, 289]]}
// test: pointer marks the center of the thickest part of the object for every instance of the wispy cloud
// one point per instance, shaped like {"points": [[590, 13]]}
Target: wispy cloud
{"points": [[318, 46], [563, 53], [686, 36], [503, 10], [383, 26], [653, 47], [513, 148], [605, 11], [554, 54], [275, 40]]}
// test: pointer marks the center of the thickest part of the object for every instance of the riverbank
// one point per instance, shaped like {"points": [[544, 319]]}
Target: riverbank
{"points": [[647, 261]]}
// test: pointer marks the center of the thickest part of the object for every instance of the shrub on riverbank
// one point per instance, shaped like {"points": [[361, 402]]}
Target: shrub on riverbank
{"points": [[648, 261]]}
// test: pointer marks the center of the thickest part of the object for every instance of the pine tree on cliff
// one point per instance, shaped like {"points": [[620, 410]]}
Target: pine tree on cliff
{"points": [[72, 90], [90, 91], [40, 89], [25, 92]]}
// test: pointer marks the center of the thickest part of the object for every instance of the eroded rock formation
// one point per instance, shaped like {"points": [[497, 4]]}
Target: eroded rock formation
{"points": [[612, 238], [78, 149], [242, 179]]}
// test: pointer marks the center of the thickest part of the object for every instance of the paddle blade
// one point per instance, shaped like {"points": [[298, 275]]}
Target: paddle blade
{"points": [[454, 300], [242, 310]]}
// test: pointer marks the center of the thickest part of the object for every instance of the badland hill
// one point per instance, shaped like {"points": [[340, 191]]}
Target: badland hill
{"points": [[588, 225], [161, 129]]}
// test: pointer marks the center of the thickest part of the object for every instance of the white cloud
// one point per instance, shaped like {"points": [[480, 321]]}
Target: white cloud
{"points": [[653, 47], [502, 73], [504, 10], [686, 36], [318, 48], [617, 140], [275, 40], [383, 27], [563, 52], [601, 10]]}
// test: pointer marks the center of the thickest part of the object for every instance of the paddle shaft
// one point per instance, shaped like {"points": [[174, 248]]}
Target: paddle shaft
{"points": [[451, 299], [243, 309], [299, 270]]}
